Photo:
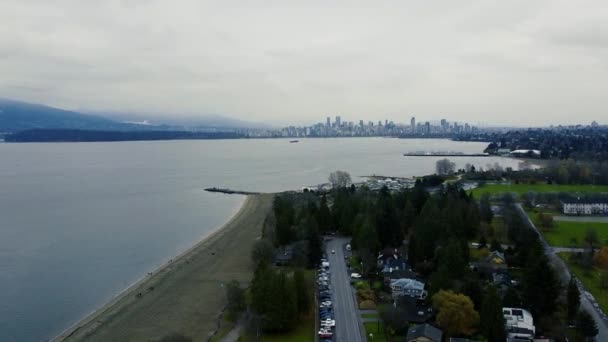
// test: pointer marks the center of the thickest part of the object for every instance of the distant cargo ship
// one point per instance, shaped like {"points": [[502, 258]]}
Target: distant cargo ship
{"points": [[294, 141]]}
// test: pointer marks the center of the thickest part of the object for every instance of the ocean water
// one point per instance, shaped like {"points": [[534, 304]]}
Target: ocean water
{"points": [[80, 222]]}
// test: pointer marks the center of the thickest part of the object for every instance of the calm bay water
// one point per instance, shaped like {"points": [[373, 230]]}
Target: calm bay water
{"points": [[79, 222]]}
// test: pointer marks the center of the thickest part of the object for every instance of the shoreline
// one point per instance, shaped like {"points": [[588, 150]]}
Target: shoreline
{"points": [[99, 319]]}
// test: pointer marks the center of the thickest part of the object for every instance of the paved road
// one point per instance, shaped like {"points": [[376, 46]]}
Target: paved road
{"points": [[348, 322], [601, 219], [564, 274]]}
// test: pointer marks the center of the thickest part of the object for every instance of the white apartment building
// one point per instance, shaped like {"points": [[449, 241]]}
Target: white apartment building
{"points": [[580, 206], [519, 323]]}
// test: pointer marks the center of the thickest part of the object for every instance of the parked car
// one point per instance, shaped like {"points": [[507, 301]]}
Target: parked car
{"points": [[325, 333], [355, 275]]}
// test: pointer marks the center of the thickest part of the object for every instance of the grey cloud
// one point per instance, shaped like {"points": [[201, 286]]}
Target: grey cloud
{"points": [[504, 62]]}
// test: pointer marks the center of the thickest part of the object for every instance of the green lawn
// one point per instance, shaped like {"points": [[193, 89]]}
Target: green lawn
{"points": [[377, 329], [572, 234], [522, 188], [590, 279]]}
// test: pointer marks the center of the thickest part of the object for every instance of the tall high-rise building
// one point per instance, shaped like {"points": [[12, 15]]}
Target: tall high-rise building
{"points": [[328, 123], [338, 121], [413, 124]]}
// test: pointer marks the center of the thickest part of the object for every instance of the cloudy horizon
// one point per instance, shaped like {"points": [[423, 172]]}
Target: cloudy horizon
{"points": [[515, 63]]}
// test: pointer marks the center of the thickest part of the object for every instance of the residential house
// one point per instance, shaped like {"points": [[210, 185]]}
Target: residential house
{"points": [[389, 261], [414, 310], [423, 333], [408, 287], [519, 323], [283, 255], [494, 262]]}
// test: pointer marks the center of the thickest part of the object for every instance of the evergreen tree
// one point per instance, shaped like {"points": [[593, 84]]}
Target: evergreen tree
{"points": [[541, 287], [574, 299], [586, 325], [387, 225], [315, 248], [473, 290], [324, 216], [492, 320], [273, 297], [429, 226], [283, 231], [236, 298], [512, 298], [485, 208], [408, 216], [452, 259], [411, 250]]}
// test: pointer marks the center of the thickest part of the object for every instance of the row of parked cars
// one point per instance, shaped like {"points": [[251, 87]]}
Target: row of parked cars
{"points": [[326, 313]]}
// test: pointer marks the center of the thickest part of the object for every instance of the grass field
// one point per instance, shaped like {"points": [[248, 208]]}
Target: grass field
{"points": [[375, 328], [572, 234], [494, 189], [590, 279]]}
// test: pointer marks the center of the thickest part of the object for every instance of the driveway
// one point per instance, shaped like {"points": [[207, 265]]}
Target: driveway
{"points": [[564, 273], [348, 322]]}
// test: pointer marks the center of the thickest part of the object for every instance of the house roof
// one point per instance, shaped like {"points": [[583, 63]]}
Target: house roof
{"points": [[496, 257], [424, 330], [408, 284], [388, 253]]}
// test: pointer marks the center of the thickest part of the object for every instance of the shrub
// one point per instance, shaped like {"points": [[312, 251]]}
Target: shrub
{"points": [[367, 305]]}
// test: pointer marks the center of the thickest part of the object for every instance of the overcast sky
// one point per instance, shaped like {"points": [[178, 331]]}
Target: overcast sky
{"points": [[496, 62]]}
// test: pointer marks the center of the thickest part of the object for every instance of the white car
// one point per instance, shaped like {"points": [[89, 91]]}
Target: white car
{"points": [[355, 275], [328, 323], [333, 251]]}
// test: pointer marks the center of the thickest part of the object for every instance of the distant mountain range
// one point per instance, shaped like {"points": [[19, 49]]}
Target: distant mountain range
{"points": [[17, 116]]}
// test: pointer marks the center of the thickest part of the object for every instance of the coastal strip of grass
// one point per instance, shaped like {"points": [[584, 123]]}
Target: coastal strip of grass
{"points": [[590, 279], [571, 234], [495, 189]]}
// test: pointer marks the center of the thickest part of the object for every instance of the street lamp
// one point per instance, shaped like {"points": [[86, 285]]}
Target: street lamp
{"points": [[371, 336]]}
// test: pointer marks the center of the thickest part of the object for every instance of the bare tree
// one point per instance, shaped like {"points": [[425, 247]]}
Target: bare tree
{"points": [[340, 179], [444, 167]]}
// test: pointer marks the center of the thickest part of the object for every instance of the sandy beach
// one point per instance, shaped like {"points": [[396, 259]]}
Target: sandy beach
{"points": [[186, 295]]}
